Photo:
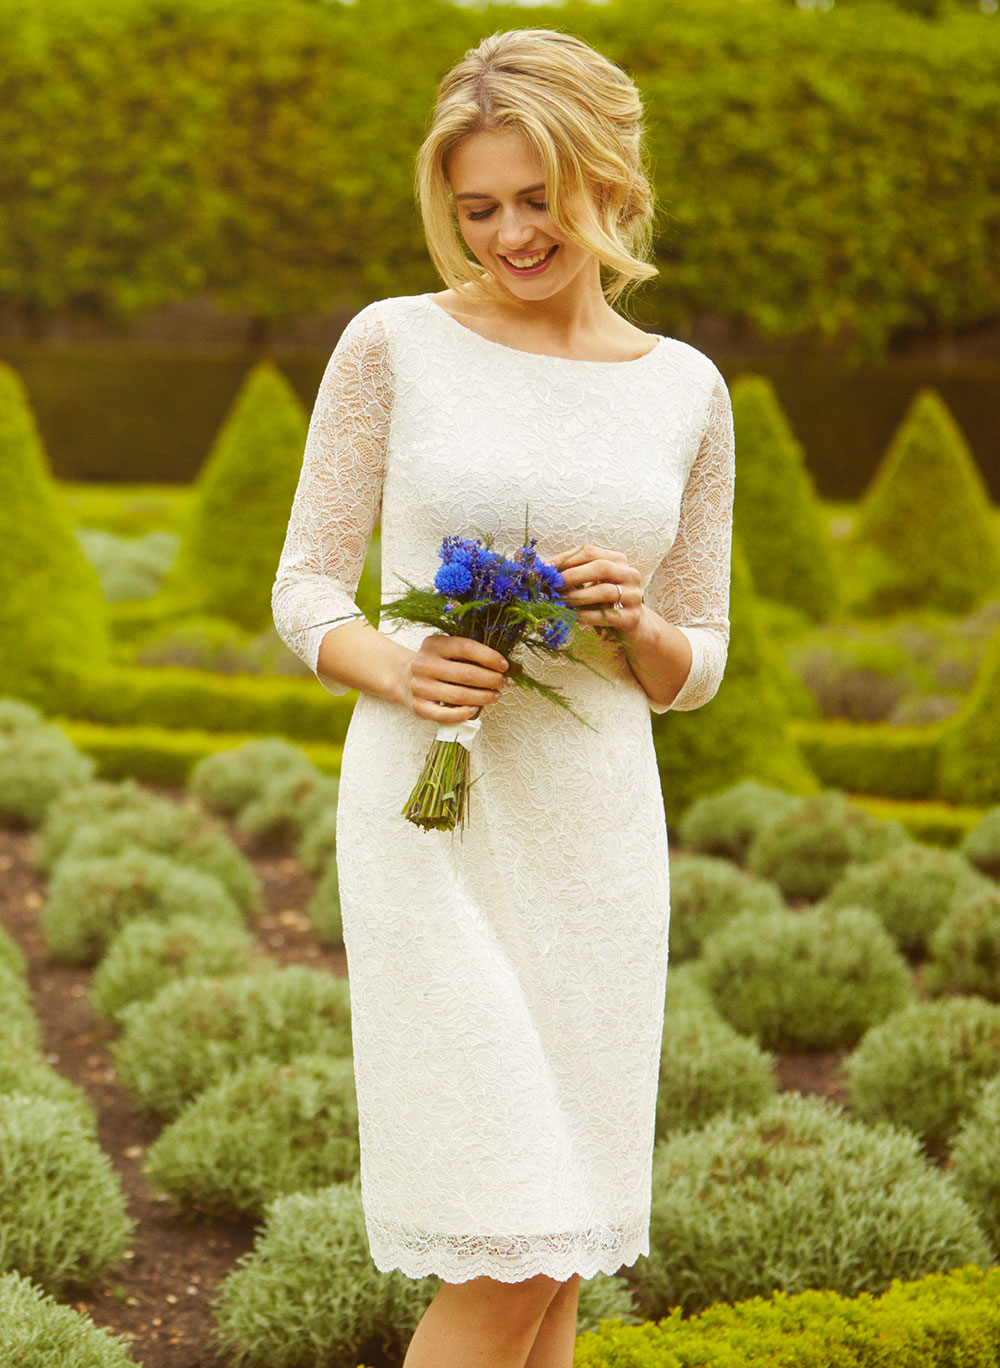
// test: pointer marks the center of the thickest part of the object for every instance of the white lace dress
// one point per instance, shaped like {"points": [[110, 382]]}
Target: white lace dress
{"points": [[507, 986]]}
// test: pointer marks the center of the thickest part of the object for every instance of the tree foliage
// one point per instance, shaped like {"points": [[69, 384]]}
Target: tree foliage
{"points": [[829, 176]]}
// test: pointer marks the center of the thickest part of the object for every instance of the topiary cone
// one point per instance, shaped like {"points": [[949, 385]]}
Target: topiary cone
{"points": [[52, 611], [925, 530], [776, 512], [742, 732], [241, 503]]}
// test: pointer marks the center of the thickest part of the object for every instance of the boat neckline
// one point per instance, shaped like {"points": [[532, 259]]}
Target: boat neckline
{"points": [[541, 356]]}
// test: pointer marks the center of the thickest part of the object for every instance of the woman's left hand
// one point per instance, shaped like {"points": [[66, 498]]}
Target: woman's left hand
{"points": [[603, 587]]}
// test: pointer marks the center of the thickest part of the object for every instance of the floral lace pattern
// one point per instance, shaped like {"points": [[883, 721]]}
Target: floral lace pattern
{"points": [[507, 986]]}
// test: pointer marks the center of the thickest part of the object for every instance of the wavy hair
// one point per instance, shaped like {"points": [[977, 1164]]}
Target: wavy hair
{"points": [[583, 117]]}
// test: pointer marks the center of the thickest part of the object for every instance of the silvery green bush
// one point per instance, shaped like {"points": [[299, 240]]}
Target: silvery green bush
{"points": [[11, 956], [323, 908], [18, 715], [910, 890], [726, 822], [147, 954], [37, 764], [286, 807], [91, 897], [64, 1218], [976, 1157], [965, 948], [923, 1067], [184, 833], [705, 892], [85, 806], [812, 979], [318, 843], [309, 1296], [981, 845], [261, 1131], [40, 1333], [796, 1195], [230, 779], [706, 1067], [809, 848], [196, 1030], [18, 1024]]}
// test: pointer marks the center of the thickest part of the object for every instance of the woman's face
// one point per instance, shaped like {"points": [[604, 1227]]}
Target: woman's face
{"points": [[498, 183]]}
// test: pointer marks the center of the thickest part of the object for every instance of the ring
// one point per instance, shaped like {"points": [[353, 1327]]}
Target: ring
{"points": [[617, 607]]}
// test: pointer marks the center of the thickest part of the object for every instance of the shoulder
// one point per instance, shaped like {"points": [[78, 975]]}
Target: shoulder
{"points": [[694, 364], [372, 329]]}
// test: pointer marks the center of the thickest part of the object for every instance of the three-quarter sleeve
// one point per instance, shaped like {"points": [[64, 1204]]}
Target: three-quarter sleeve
{"points": [[339, 495], [690, 587]]}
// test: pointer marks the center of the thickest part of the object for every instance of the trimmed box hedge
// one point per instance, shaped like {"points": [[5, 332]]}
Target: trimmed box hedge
{"points": [[940, 1321], [871, 757], [161, 755]]}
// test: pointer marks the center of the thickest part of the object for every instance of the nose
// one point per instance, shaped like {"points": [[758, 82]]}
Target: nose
{"points": [[515, 230]]}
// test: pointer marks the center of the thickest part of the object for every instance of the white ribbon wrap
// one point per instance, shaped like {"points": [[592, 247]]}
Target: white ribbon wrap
{"points": [[463, 732]]}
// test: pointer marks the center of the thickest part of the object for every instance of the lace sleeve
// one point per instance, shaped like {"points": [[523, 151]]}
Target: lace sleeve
{"points": [[690, 587], [339, 494]]}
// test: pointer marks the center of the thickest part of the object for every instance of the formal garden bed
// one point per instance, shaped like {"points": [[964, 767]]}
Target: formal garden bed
{"points": [[213, 1046]]}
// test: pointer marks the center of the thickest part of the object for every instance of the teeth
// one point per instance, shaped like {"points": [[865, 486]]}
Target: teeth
{"points": [[525, 262]]}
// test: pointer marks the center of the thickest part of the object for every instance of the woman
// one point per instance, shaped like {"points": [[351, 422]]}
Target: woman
{"points": [[507, 986]]}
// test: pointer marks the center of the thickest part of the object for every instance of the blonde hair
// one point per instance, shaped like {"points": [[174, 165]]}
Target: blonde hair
{"points": [[582, 115]]}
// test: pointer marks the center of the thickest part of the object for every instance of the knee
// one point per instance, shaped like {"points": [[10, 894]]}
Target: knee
{"points": [[515, 1301]]}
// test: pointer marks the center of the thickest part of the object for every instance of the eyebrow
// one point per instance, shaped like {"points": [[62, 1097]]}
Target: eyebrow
{"points": [[478, 194]]}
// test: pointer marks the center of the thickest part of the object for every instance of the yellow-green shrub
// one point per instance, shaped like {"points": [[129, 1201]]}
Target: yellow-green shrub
{"points": [[939, 1321], [926, 521]]}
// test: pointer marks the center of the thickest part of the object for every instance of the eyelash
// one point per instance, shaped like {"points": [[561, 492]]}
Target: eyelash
{"points": [[485, 213]]}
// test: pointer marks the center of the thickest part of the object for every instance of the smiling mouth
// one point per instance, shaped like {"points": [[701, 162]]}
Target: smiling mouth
{"points": [[532, 262]]}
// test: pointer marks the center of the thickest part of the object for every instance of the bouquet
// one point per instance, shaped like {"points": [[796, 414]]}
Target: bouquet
{"points": [[511, 604]]}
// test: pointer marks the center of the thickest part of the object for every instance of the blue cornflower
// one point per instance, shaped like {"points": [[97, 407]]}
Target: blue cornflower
{"points": [[453, 578], [555, 633]]}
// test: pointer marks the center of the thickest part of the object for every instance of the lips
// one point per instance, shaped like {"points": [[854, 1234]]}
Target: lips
{"points": [[539, 261]]}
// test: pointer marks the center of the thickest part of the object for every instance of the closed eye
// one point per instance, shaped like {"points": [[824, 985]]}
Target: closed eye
{"points": [[485, 213]]}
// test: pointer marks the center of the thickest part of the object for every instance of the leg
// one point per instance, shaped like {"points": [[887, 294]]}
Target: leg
{"points": [[556, 1338], [481, 1323]]}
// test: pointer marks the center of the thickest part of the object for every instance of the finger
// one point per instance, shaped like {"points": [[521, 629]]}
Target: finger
{"points": [[601, 569], [594, 593], [442, 691], [465, 648], [580, 554]]}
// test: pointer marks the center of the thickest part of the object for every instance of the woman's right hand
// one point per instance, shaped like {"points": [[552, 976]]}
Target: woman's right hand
{"points": [[451, 677]]}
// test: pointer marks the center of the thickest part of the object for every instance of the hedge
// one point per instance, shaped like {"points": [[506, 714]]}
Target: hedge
{"points": [[160, 755], [871, 757], [776, 513], [968, 772], [925, 532], [742, 732], [247, 481], [893, 237], [939, 1321], [51, 606]]}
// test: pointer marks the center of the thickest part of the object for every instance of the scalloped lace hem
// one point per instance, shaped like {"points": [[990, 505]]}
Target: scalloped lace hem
{"points": [[506, 1258]]}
